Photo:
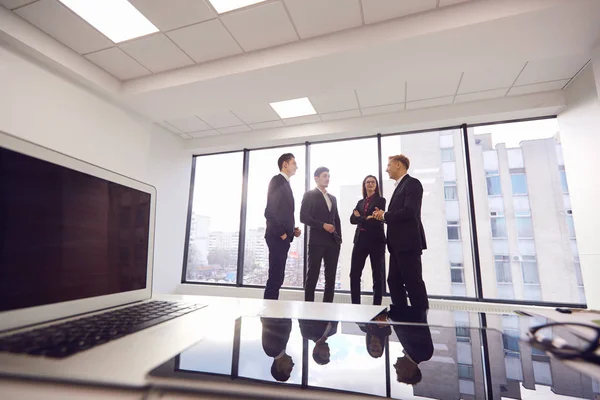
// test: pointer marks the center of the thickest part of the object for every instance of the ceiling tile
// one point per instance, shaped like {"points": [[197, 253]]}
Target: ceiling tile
{"points": [[393, 92], [157, 53], [185, 136], [202, 134], [429, 103], [390, 108], [173, 14], [220, 119], [206, 41], [380, 10], [188, 124], [551, 69], [488, 94], [65, 26], [308, 119], [260, 27], [267, 125], [538, 87], [335, 101], [494, 77], [234, 129], [12, 4], [434, 87], [318, 17], [168, 127], [444, 3], [341, 115], [254, 113], [116, 62]]}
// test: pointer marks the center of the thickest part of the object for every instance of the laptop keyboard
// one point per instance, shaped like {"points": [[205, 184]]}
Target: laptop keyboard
{"points": [[71, 337]]}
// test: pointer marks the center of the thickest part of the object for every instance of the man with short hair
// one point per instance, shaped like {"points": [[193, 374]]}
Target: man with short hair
{"points": [[319, 211], [405, 236], [281, 228]]}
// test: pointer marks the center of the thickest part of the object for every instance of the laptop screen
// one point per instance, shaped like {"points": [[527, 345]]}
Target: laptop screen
{"points": [[66, 235]]}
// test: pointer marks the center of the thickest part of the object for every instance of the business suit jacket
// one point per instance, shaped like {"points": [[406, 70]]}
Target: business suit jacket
{"points": [[280, 209], [314, 330], [314, 213], [404, 228], [416, 336], [275, 335], [374, 229]]}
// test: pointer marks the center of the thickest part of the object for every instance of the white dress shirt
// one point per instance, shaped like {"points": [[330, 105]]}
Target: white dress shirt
{"points": [[327, 199], [287, 178], [400, 180]]}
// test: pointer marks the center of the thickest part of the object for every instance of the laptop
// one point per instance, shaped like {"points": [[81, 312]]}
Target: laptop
{"points": [[76, 251]]}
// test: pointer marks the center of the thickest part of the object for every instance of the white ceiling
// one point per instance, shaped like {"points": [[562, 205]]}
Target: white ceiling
{"points": [[206, 75], [191, 31]]}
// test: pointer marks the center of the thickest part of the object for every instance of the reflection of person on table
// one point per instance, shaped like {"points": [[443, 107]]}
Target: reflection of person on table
{"points": [[275, 336], [376, 335], [319, 332], [416, 340]]}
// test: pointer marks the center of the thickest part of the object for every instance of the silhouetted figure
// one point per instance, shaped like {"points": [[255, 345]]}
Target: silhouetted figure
{"points": [[275, 336]]}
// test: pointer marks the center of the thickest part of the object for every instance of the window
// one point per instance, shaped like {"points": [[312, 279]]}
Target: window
{"points": [[447, 155], [498, 225], [563, 179], [345, 182], [214, 236], [457, 274], [503, 273], [262, 167], [493, 183], [450, 190], [570, 224], [527, 153], [453, 230], [465, 371], [518, 182], [530, 270], [524, 225]]}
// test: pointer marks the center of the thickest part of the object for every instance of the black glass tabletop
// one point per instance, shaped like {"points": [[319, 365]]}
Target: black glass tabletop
{"points": [[439, 355]]}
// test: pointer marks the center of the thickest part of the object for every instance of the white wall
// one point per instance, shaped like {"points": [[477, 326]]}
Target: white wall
{"points": [[43, 107], [580, 135]]}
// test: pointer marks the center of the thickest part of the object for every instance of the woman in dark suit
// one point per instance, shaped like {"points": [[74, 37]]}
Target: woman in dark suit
{"points": [[369, 240]]}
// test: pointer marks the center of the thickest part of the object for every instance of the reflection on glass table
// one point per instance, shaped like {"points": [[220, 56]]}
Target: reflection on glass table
{"points": [[448, 358]]}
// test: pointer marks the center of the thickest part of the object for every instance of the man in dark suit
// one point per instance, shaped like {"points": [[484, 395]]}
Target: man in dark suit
{"points": [[275, 337], [319, 211], [405, 236], [319, 332], [281, 227], [416, 340]]}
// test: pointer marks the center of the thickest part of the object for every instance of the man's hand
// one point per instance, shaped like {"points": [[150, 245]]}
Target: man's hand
{"points": [[369, 217], [329, 228], [297, 232], [356, 213], [378, 214], [284, 236]]}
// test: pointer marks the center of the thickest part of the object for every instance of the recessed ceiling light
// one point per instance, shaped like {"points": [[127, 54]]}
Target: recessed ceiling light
{"points": [[116, 19], [294, 108], [222, 6]]}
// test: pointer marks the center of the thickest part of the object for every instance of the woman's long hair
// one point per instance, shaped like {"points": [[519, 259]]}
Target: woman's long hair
{"points": [[364, 189]]}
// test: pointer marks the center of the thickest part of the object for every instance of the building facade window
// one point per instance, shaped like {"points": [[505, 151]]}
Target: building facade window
{"points": [[457, 273], [498, 222], [563, 179], [503, 272], [570, 224], [518, 181], [450, 192], [453, 230], [493, 183], [447, 155], [524, 225], [530, 270]]}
